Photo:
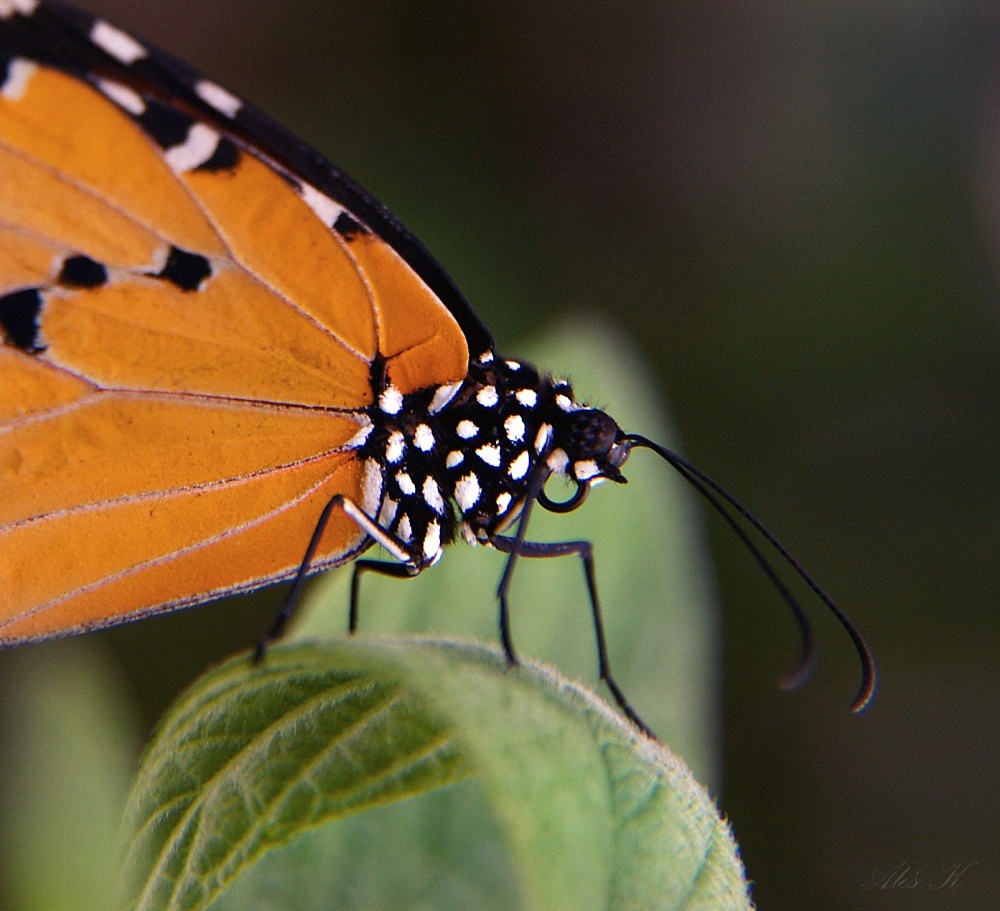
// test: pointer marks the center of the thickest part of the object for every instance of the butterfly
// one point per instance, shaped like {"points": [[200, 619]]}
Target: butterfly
{"points": [[224, 364]]}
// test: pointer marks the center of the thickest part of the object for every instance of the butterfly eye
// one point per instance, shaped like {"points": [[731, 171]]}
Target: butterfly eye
{"points": [[588, 434]]}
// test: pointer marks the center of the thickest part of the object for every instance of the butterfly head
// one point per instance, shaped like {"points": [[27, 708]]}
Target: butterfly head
{"points": [[589, 446]]}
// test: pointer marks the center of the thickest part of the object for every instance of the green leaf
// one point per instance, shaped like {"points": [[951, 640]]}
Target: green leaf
{"points": [[68, 754], [589, 814], [252, 755]]}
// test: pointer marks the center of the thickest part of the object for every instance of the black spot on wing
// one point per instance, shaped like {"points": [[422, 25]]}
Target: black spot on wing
{"points": [[166, 126], [82, 272], [185, 270], [225, 157], [347, 227], [19, 312]]}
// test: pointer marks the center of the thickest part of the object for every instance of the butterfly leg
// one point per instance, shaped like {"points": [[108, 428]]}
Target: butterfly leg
{"points": [[408, 565], [585, 551], [382, 568]]}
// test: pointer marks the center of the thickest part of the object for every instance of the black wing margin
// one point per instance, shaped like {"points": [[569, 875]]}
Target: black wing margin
{"points": [[58, 34]]}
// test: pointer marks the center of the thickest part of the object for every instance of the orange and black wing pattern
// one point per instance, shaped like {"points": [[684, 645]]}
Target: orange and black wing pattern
{"points": [[222, 363], [198, 313]]}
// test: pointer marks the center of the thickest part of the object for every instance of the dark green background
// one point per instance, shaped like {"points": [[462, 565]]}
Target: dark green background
{"points": [[794, 210]]}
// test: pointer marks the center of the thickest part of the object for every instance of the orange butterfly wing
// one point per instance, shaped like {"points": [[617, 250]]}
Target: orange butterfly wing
{"points": [[169, 440]]}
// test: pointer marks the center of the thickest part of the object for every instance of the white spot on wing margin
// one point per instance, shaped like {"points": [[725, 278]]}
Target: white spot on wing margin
{"points": [[223, 101], [125, 97], [8, 8], [324, 208], [200, 145], [118, 44], [19, 73]]}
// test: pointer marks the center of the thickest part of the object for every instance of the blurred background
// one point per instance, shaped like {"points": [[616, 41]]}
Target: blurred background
{"points": [[793, 209]]}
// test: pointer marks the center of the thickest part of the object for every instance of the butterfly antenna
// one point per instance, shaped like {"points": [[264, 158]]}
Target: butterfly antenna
{"points": [[723, 501]]}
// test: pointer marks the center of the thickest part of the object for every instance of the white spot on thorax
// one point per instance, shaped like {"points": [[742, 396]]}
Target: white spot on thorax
{"points": [[405, 483], [423, 438], [371, 487], [585, 469], [513, 365], [490, 454], [124, 96], [432, 541], [391, 400], [514, 428], [442, 396], [19, 73], [527, 397], [223, 101], [466, 429], [467, 491], [118, 44], [455, 457], [200, 145], [486, 357], [557, 461], [487, 396], [432, 495], [543, 437], [395, 446], [503, 501], [388, 512], [519, 467], [361, 437], [565, 403]]}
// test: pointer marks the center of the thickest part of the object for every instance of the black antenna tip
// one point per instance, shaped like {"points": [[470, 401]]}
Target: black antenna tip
{"points": [[869, 685], [722, 501], [797, 677]]}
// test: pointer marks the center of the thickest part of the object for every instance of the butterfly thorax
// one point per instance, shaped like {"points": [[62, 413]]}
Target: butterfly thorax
{"points": [[460, 459]]}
